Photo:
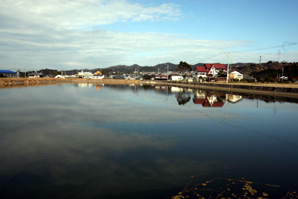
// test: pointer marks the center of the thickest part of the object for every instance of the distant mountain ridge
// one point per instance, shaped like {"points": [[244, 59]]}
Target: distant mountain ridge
{"points": [[163, 67], [290, 69]]}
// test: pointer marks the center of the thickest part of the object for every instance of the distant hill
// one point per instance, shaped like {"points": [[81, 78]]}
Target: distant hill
{"points": [[269, 71], [136, 67], [159, 67], [270, 68], [247, 68]]}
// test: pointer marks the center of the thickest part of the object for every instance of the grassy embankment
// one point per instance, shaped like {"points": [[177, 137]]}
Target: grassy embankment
{"points": [[19, 82]]}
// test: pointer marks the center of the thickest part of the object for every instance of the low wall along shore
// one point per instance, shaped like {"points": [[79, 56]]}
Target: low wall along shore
{"points": [[10, 82], [262, 88]]}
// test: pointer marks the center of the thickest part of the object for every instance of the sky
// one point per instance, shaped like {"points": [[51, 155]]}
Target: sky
{"points": [[77, 34]]}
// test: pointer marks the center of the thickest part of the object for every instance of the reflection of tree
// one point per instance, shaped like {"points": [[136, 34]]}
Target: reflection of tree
{"points": [[183, 98], [219, 99], [146, 87]]}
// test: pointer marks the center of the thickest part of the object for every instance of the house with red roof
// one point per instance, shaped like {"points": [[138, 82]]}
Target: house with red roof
{"points": [[209, 70]]}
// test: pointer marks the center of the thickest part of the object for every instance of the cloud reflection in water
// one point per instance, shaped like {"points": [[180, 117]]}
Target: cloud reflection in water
{"points": [[83, 142]]}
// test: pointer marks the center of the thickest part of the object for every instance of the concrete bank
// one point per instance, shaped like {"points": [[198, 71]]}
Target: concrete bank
{"points": [[290, 90]]}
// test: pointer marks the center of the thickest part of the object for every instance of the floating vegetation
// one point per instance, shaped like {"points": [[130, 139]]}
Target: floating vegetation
{"points": [[233, 188]]}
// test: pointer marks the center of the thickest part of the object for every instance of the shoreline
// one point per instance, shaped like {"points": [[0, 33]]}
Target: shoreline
{"points": [[272, 89], [276, 89]]}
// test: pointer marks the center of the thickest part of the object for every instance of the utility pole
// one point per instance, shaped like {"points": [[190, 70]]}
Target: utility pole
{"points": [[226, 102], [167, 72], [228, 68]]}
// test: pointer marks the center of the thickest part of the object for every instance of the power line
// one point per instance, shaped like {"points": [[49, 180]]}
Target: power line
{"points": [[283, 46], [280, 46], [214, 55]]}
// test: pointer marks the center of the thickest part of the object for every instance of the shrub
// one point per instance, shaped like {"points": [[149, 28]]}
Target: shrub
{"points": [[147, 77]]}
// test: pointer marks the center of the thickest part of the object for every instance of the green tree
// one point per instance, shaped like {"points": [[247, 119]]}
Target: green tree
{"points": [[147, 77], [222, 73], [183, 67]]}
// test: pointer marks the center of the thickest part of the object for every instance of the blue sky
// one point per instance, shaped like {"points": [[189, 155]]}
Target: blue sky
{"points": [[61, 34]]}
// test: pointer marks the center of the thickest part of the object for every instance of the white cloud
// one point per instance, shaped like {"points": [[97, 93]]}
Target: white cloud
{"points": [[82, 14], [69, 34], [103, 48]]}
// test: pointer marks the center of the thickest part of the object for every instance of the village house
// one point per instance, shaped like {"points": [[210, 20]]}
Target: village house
{"points": [[236, 75], [7, 73], [209, 70], [86, 75], [189, 79], [161, 77], [35, 75], [176, 77]]}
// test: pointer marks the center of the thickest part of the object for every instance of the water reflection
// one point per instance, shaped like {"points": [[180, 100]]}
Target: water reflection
{"points": [[206, 98], [219, 97], [209, 99], [234, 98], [136, 141]]}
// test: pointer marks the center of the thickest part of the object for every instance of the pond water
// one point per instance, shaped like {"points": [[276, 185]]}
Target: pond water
{"points": [[112, 141]]}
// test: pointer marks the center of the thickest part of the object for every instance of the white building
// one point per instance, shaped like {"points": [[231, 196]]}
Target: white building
{"points": [[85, 74], [236, 75], [176, 78]]}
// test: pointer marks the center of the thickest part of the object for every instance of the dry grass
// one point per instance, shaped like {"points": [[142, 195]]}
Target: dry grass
{"points": [[18, 82]]}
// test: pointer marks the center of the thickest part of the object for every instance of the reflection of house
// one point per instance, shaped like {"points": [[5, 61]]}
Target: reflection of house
{"points": [[236, 75], [176, 89], [199, 97], [209, 100], [234, 98], [160, 87], [82, 85], [200, 94], [209, 70]]}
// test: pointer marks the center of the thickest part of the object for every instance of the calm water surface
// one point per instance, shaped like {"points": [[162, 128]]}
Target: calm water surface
{"points": [[95, 141]]}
